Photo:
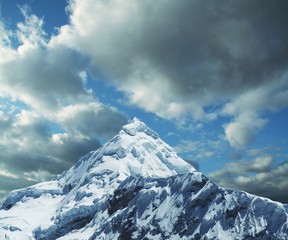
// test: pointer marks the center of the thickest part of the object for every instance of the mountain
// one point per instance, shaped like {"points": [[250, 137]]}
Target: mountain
{"points": [[136, 187]]}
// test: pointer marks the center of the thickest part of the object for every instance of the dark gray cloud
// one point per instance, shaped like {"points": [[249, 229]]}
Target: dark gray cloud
{"points": [[28, 141], [8, 184], [88, 118], [201, 51], [260, 176], [189, 57]]}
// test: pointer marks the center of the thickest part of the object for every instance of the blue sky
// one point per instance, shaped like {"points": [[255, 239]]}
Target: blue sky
{"points": [[210, 77]]}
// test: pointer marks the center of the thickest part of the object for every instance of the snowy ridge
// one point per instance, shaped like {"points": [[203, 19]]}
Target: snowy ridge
{"points": [[136, 187], [189, 206]]}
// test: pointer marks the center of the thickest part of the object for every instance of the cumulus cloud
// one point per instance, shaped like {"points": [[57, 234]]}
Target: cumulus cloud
{"points": [[183, 56], [260, 176], [188, 57], [239, 134]]}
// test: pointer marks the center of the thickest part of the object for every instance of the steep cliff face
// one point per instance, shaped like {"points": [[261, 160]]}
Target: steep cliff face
{"points": [[136, 187]]}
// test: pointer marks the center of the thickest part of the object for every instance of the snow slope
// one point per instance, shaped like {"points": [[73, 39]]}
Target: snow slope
{"points": [[136, 187]]}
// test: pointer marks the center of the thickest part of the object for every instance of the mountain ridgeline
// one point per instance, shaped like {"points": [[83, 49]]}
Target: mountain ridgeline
{"points": [[136, 187]]}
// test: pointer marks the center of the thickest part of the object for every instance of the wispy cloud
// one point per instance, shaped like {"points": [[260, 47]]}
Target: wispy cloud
{"points": [[198, 150]]}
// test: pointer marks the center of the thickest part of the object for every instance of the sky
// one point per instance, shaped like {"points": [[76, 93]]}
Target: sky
{"points": [[211, 77]]}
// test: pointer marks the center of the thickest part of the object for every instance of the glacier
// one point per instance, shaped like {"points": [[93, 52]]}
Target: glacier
{"points": [[136, 187]]}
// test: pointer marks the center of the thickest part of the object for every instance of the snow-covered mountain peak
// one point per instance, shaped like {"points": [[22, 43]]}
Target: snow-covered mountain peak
{"points": [[135, 125], [135, 150], [136, 187]]}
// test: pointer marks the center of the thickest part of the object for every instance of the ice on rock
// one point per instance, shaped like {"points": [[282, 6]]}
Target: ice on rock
{"points": [[136, 187]]}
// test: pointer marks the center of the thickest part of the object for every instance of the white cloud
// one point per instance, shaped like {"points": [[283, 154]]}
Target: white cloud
{"points": [[30, 34], [25, 118], [59, 138], [247, 109], [261, 163], [5, 173], [239, 134]]}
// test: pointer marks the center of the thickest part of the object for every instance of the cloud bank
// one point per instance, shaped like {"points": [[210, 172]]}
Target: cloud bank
{"points": [[191, 59]]}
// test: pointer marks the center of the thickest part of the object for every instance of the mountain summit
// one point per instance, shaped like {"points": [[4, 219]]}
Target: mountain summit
{"points": [[136, 187]]}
